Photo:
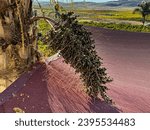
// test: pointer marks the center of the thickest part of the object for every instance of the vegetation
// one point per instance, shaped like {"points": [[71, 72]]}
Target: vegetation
{"points": [[78, 49], [119, 19], [88, 14], [44, 49], [108, 14], [144, 10], [114, 26]]}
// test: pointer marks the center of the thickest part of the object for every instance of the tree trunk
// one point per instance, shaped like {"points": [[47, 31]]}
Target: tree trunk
{"points": [[14, 26]]}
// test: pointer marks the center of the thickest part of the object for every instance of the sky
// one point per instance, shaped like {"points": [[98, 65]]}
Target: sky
{"points": [[83, 0]]}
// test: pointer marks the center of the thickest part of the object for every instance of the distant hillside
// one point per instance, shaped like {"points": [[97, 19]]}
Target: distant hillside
{"points": [[77, 5], [124, 3], [93, 5]]}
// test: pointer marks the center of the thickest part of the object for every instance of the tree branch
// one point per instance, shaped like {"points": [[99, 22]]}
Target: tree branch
{"points": [[48, 20]]}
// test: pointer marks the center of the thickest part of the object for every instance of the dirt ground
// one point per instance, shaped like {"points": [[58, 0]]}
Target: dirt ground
{"points": [[55, 87]]}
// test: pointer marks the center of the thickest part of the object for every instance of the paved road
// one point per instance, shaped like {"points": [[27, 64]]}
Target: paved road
{"points": [[56, 88]]}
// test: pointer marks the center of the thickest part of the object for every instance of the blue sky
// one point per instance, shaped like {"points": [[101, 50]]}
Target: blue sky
{"points": [[86, 0]]}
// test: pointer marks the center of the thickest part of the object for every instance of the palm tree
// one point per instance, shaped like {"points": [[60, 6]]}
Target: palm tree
{"points": [[14, 15], [68, 37], [14, 29], [144, 10]]}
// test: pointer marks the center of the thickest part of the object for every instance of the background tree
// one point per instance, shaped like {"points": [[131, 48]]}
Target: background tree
{"points": [[144, 10]]}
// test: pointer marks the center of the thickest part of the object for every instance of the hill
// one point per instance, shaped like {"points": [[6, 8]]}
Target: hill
{"points": [[94, 5], [123, 3], [77, 5]]}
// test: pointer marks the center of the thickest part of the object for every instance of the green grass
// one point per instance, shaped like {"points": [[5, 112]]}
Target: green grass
{"points": [[43, 28], [119, 19], [114, 26], [109, 14]]}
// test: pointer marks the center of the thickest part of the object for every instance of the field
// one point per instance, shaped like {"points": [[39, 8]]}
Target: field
{"points": [[121, 26], [117, 14], [101, 14], [117, 19]]}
